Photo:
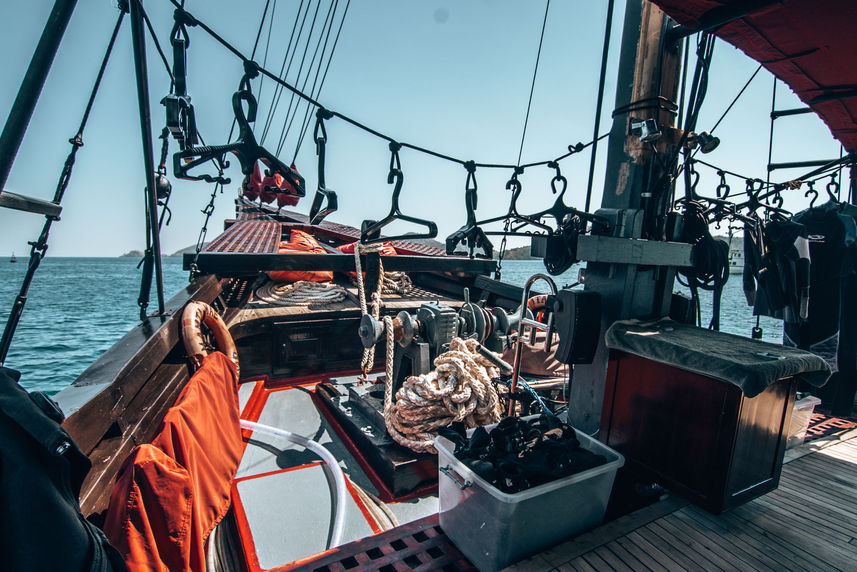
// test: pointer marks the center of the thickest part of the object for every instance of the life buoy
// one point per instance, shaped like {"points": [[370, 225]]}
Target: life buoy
{"points": [[536, 305], [198, 313]]}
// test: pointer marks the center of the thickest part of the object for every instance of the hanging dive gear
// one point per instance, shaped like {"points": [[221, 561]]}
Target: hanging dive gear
{"points": [[324, 202], [370, 230]]}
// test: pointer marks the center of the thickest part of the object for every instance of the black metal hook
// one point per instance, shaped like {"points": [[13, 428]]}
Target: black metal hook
{"points": [[325, 201], [811, 190], [248, 151], [470, 234], [833, 187], [370, 230], [722, 190]]}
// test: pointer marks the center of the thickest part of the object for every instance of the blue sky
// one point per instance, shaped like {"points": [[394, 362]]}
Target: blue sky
{"points": [[450, 76]]}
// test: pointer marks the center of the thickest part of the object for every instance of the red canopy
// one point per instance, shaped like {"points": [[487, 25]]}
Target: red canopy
{"points": [[810, 45]]}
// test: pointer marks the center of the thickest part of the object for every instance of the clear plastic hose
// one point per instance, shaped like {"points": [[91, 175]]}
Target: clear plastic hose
{"points": [[329, 459]]}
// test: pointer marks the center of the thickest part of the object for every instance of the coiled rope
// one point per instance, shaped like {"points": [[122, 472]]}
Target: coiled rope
{"points": [[301, 293], [458, 389]]}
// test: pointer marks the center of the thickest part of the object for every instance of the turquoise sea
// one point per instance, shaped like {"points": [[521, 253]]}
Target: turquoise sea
{"points": [[79, 307]]}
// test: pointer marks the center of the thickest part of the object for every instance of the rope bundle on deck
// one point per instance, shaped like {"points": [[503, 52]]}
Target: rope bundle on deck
{"points": [[301, 293], [458, 389]]}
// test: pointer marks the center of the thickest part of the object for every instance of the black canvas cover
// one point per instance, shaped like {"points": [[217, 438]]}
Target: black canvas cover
{"points": [[751, 365], [41, 471]]}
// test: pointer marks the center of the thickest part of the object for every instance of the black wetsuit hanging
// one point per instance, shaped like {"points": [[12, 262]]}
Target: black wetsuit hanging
{"points": [[776, 270], [832, 237]]}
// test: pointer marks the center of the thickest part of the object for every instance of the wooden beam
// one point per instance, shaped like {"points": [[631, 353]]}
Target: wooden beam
{"points": [[18, 202], [239, 264]]}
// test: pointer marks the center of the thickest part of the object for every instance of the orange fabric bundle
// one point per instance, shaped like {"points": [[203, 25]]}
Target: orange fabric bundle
{"points": [[387, 249], [306, 243], [170, 494]]}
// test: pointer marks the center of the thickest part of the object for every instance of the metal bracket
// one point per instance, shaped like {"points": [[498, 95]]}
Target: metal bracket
{"points": [[614, 250]]}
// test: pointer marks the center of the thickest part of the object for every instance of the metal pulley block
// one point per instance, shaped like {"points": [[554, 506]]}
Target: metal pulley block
{"points": [[405, 329], [370, 331]]}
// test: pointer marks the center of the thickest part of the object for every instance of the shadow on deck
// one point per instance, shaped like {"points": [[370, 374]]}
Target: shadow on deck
{"points": [[808, 523]]}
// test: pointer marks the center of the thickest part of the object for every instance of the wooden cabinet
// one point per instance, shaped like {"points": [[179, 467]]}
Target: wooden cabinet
{"points": [[694, 434]]}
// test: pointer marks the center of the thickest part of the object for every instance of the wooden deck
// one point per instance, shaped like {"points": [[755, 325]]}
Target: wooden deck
{"points": [[808, 523]]}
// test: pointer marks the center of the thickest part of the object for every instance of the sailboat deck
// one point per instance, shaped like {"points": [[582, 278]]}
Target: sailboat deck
{"points": [[808, 523]]}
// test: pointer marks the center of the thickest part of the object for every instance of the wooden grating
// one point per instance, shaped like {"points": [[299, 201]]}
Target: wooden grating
{"points": [[419, 545], [248, 236]]}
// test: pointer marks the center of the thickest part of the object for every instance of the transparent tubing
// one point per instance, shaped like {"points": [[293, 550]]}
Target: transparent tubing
{"points": [[329, 459]]}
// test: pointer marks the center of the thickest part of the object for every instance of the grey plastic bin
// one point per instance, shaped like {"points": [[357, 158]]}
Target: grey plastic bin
{"points": [[494, 529]]}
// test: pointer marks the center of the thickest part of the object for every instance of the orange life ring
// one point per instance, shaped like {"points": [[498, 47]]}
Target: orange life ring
{"points": [[536, 305], [198, 313]]}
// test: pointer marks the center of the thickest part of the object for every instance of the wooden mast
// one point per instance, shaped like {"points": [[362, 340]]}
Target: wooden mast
{"points": [[648, 74]]}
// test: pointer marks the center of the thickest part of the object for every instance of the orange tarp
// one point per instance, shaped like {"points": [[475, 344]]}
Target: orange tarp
{"points": [[170, 494], [301, 242]]}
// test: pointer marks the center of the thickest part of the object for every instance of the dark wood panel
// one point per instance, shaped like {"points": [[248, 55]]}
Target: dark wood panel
{"points": [[123, 370], [137, 425], [697, 435]]}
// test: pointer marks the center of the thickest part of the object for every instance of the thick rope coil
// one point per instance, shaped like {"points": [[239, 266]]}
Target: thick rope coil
{"points": [[301, 293], [458, 389]]}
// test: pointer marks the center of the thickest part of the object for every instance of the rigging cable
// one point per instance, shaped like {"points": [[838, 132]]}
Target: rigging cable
{"points": [[533, 84], [218, 187], [267, 43], [328, 26], [229, 47], [160, 51], [39, 247], [608, 27], [278, 90], [307, 118], [300, 70]]}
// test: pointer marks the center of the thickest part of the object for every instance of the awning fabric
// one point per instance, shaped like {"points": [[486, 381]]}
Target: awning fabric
{"points": [[170, 494], [809, 44]]}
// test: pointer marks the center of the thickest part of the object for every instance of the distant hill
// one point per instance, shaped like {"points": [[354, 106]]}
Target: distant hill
{"points": [[520, 253], [176, 254]]}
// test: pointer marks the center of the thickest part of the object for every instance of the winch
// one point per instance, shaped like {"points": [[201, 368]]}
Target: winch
{"points": [[424, 335]]}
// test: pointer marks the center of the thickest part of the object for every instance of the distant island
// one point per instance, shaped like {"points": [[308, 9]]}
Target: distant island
{"points": [[520, 253], [176, 254]]}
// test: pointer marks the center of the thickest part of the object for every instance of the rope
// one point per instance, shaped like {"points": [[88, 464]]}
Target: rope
{"points": [[369, 353], [458, 389], [393, 283], [533, 84], [605, 51], [301, 293], [321, 85], [281, 82], [39, 248]]}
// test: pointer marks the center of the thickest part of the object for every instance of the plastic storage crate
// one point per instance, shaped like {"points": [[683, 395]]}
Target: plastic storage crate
{"points": [[494, 529], [801, 415]]}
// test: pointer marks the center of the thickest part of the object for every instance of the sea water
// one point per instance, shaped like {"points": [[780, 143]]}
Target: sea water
{"points": [[79, 307]]}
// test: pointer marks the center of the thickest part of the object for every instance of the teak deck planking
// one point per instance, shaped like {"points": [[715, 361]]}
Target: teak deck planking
{"points": [[808, 523]]}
